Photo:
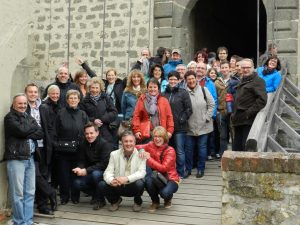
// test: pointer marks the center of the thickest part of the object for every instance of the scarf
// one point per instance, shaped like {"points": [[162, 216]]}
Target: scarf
{"points": [[145, 67], [95, 98], [110, 92], [151, 107], [267, 71]]}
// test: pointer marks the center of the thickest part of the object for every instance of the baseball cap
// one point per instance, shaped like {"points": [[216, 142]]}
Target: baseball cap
{"points": [[176, 51]]}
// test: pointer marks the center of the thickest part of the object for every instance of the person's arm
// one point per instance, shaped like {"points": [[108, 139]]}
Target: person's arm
{"points": [[170, 121], [111, 112], [109, 173], [210, 103], [89, 71], [187, 107], [277, 80]]}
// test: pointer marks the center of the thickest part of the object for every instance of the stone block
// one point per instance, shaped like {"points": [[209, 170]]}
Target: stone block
{"points": [[76, 1], [61, 26], [79, 17], [118, 23], [113, 34], [96, 63], [115, 14], [111, 7], [107, 44], [41, 18], [97, 8], [89, 35], [124, 6], [60, 54], [132, 54], [135, 22], [122, 65], [54, 46], [123, 32], [107, 24], [82, 8], [165, 32], [97, 45], [227, 162], [82, 25], [118, 53], [163, 9], [59, 9], [78, 36], [90, 17], [40, 27], [142, 42], [93, 54], [111, 64], [142, 31], [86, 45], [47, 37], [119, 44], [95, 24], [75, 45], [163, 22]]}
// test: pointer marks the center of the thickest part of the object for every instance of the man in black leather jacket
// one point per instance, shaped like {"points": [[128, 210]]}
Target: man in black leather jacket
{"points": [[21, 135]]}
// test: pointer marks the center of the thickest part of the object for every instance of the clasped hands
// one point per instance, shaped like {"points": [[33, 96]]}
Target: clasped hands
{"points": [[118, 181]]}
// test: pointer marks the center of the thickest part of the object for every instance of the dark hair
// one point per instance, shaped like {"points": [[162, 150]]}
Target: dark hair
{"points": [[208, 71], [188, 73], [224, 62], [160, 51], [204, 55], [91, 124], [154, 81], [126, 133], [157, 66], [174, 74], [278, 67], [30, 85], [221, 48]]}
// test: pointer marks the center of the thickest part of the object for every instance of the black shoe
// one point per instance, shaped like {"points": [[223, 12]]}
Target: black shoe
{"points": [[46, 211], [75, 201], [200, 174], [64, 202], [53, 201], [187, 174], [99, 204], [93, 201]]}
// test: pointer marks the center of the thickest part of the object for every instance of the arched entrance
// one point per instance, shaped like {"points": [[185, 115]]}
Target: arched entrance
{"points": [[231, 23]]}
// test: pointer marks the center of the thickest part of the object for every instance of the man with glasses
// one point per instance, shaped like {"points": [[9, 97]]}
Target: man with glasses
{"points": [[251, 97]]}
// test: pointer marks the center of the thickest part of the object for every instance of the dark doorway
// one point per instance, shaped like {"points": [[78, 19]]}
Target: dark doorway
{"points": [[229, 23]]}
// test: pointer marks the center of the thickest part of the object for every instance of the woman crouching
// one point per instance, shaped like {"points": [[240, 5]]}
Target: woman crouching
{"points": [[161, 158]]}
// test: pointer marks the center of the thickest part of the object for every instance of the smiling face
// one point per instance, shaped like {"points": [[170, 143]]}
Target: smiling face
{"points": [[191, 81], [128, 143], [73, 100], [212, 74], [63, 75], [91, 134], [20, 104], [111, 77], [272, 64], [54, 94], [153, 89], [225, 70], [83, 79], [32, 93], [136, 80], [173, 81], [95, 89], [158, 140], [201, 70], [157, 72]]}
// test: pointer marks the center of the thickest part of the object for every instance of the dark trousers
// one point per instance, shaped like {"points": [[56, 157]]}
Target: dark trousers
{"points": [[223, 127], [213, 142], [66, 162], [43, 189], [240, 137], [113, 194], [166, 192], [88, 184]]}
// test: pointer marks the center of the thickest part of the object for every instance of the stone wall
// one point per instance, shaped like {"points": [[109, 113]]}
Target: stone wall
{"points": [[260, 188], [100, 31]]}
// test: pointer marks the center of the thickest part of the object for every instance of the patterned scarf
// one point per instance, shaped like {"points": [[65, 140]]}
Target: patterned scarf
{"points": [[151, 107], [95, 98]]}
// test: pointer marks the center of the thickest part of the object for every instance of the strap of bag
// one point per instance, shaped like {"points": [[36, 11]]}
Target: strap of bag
{"points": [[204, 95], [162, 153]]}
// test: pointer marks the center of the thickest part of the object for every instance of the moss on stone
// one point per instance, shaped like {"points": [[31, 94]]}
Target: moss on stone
{"points": [[266, 183]]}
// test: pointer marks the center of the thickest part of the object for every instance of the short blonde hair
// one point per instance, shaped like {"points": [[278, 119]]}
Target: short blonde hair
{"points": [[96, 80], [161, 132], [72, 92], [52, 88]]}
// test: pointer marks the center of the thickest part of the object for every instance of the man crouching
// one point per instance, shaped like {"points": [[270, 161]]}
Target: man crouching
{"points": [[124, 175]]}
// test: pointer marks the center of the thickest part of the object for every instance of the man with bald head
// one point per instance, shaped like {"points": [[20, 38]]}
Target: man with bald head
{"points": [[21, 135], [64, 82]]}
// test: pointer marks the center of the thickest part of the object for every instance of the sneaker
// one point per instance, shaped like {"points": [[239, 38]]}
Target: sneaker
{"points": [[98, 205], [136, 207], [209, 158], [115, 206], [168, 204], [153, 207], [187, 174], [200, 174], [218, 156]]}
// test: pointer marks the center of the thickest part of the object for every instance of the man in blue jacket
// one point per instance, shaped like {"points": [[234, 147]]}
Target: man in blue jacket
{"points": [[173, 62]]}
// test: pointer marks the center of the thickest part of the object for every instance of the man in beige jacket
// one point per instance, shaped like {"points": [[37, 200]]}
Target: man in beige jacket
{"points": [[124, 175]]}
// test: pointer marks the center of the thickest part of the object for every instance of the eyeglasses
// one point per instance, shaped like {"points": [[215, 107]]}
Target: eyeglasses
{"points": [[203, 68], [246, 67]]}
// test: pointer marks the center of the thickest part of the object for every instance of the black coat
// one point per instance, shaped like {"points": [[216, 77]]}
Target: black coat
{"points": [[69, 124], [181, 106], [104, 110], [251, 97], [118, 91], [48, 112], [64, 88], [18, 128], [94, 156]]}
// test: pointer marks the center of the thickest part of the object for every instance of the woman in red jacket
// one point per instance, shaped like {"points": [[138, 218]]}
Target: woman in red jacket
{"points": [[162, 158], [151, 110]]}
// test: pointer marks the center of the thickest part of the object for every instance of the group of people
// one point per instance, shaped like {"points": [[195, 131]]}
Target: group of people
{"points": [[173, 117]]}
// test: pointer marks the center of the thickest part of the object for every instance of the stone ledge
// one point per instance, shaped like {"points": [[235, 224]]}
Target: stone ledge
{"points": [[261, 162]]}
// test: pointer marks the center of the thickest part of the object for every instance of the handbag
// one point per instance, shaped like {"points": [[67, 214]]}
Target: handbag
{"points": [[67, 146], [160, 180]]}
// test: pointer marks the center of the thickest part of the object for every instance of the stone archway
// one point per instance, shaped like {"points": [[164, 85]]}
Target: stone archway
{"points": [[187, 25]]}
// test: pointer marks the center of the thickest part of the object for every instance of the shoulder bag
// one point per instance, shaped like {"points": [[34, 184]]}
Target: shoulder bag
{"points": [[159, 179]]}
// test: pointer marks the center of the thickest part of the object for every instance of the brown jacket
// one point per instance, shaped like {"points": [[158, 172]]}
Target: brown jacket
{"points": [[221, 91]]}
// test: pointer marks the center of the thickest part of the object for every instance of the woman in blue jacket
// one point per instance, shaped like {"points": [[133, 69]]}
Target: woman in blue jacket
{"points": [[270, 73]]}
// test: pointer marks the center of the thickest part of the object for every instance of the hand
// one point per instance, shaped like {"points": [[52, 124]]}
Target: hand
{"points": [[122, 180], [144, 155], [76, 170], [114, 183], [138, 135], [79, 61], [82, 173], [98, 122], [169, 135]]}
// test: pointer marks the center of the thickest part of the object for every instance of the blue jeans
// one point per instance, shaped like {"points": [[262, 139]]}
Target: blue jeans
{"points": [[178, 142], [21, 180], [89, 185], [201, 143]]}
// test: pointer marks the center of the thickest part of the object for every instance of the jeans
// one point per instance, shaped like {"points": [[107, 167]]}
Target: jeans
{"points": [[21, 180], [178, 142], [113, 194], [89, 184], [201, 143], [166, 192], [213, 141], [223, 127]]}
